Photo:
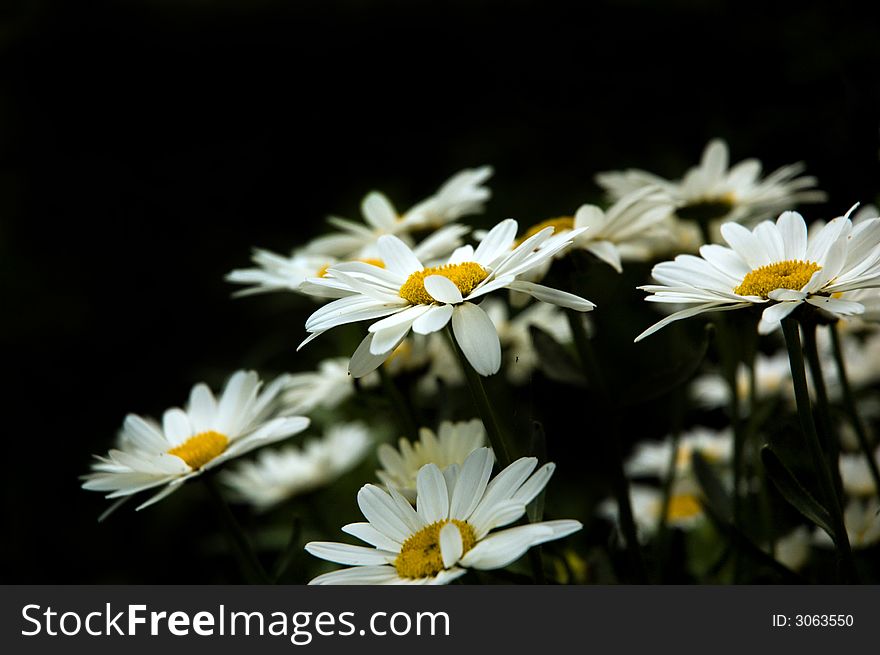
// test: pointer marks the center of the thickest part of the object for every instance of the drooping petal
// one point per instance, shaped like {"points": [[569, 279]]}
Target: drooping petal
{"points": [[477, 338]]}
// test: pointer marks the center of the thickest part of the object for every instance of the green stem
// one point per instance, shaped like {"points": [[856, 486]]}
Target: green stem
{"points": [[850, 404], [290, 552], [820, 464], [404, 413], [251, 567], [497, 439], [611, 442], [827, 434]]}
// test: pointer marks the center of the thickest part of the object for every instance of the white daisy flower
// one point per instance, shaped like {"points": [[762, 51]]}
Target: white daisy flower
{"points": [[275, 272], [862, 520], [793, 550], [713, 192], [685, 510], [450, 446], [520, 355], [855, 474], [653, 458], [424, 300], [278, 474], [461, 195], [774, 265], [772, 378], [208, 433], [619, 232], [327, 387], [451, 528]]}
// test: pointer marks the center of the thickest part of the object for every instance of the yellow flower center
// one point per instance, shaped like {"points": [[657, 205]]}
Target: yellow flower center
{"points": [[201, 448], [322, 272], [420, 555], [791, 274], [558, 224], [683, 506], [466, 276]]}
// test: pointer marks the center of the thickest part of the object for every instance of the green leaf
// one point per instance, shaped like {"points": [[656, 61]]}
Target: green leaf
{"points": [[659, 383], [556, 361], [713, 489], [794, 492]]}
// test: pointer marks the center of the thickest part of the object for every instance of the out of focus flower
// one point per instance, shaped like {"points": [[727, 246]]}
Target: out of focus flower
{"points": [[653, 459], [279, 474], [713, 192], [450, 446]]}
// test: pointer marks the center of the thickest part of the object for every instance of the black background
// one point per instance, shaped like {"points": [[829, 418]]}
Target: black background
{"points": [[145, 147]]}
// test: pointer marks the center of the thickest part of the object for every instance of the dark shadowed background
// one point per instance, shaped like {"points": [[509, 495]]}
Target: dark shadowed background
{"points": [[146, 146]]}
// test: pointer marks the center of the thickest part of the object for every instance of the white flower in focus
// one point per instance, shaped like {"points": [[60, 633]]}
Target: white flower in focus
{"points": [[862, 520], [275, 272], [424, 300], [772, 378], [279, 474], [855, 474], [460, 196], [653, 458], [191, 441], [451, 528], [713, 192], [450, 446], [776, 266]]}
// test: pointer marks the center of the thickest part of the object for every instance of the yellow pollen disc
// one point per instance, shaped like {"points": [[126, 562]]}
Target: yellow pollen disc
{"points": [[466, 276], [791, 274], [322, 272], [201, 449], [683, 506], [558, 224], [420, 555]]}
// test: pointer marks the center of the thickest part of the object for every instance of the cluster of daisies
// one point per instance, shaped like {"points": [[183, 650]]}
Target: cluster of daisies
{"points": [[442, 305]]}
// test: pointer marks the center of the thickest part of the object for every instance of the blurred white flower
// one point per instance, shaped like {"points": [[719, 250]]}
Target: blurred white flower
{"points": [[862, 520], [327, 387], [461, 195], [652, 459], [713, 192], [451, 445], [276, 475], [772, 378]]}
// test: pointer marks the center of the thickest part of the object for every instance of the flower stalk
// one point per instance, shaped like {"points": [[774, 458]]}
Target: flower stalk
{"points": [[820, 463]]}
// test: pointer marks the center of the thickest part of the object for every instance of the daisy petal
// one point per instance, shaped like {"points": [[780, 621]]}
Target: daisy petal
{"points": [[451, 544], [347, 554], [476, 335], [442, 289], [432, 495], [773, 314], [433, 320], [553, 296]]}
